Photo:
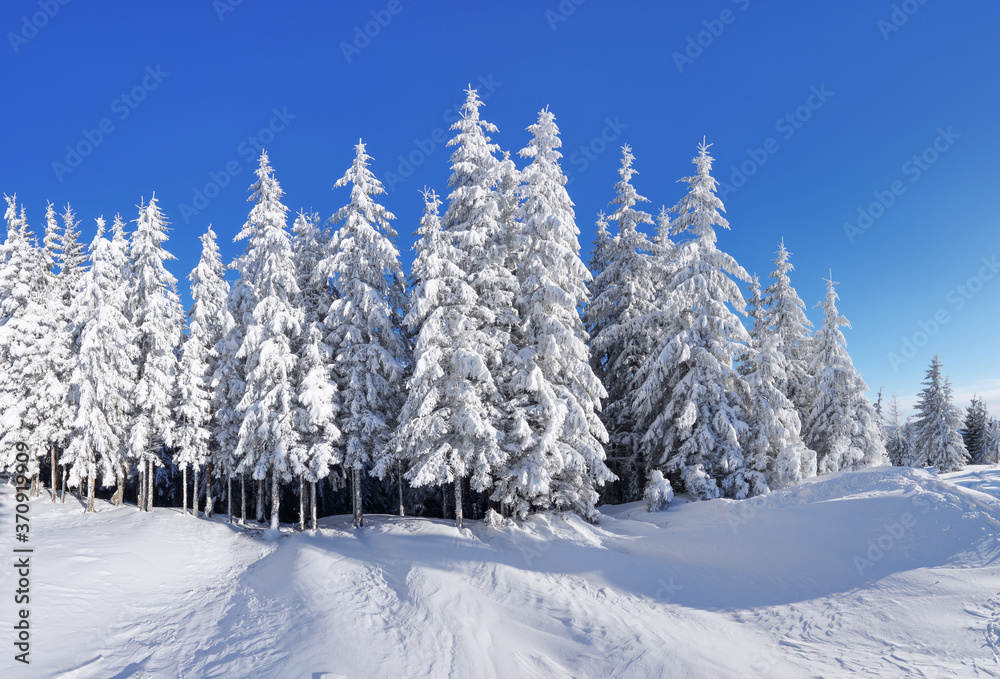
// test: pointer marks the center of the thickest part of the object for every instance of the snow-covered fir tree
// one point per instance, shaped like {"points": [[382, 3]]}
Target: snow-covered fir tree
{"points": [[938, 441], [993, 442], [785, 315], [976, 432], [316, 391], [601, 253], [104, 378], [227, 388], [446, 429], [54, 356], [559, 457], [840, 424], [197, 367], [897, 446], [50, 243], [625, 299], [156, 312], [18, 277], [759, 331], [268, 436], [689, 397], [363, 326], [71, 259], [774, 446], [23, 287], [879, 417], [481, 220]]}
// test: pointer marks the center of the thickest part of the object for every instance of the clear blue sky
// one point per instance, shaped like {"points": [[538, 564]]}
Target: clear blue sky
{"points": [[202, 81]]}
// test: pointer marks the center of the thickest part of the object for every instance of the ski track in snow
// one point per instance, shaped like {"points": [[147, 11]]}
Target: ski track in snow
{"points": [[769, 587]]}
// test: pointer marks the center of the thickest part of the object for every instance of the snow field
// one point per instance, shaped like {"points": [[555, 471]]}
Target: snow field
{"points": [[767, 587]]}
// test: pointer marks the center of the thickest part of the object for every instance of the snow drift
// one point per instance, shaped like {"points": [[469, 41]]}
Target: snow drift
{"points": [[880, 572]]}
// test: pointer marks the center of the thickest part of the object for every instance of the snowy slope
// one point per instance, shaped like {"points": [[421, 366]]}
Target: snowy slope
{"points": [[884, 572]]}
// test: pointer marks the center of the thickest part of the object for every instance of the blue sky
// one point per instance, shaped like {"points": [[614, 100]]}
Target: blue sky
{"points": [[873, 114]]}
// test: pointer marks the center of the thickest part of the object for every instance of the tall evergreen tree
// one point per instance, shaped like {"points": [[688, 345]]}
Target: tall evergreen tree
{"points": [[600, 258], [559, 457], [227, 388], [938, 440], [481, 220], [198, 363], [625, 294], [689, 398], [23, 340], [316, 392], [975, 433], [104, 377], [268, 435], [759, 331], [786, 317], [897, 445], [773, 446], [156, 313], [840, 424], [993, 442], [446, 428], [363, 325], [50, 243]]}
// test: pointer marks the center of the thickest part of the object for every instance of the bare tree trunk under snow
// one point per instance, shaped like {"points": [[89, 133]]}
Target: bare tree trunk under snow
{"points": [[90, 494], [302, 502], [243, 499], [229, 497], [64, 486], [141, 493], [209, 498], [275, 499], [399, 486], [150, 484], [458, 503], [118, 499], [359, 518], [184, 489], [195, 492], [260, 500], [312, 503], [55, 475]]}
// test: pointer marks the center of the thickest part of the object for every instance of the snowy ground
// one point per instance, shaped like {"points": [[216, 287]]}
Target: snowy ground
{"points": [[884, 572]]}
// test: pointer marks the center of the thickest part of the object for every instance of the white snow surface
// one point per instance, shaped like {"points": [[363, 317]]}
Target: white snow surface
{"points": [[767, 587]]}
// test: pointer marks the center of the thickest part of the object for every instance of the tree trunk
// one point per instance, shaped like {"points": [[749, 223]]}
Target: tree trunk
{"points": [[55, 475], [64, 485], [399, 486], [261, 489], [359, 518], [302, 502], [141, 500], [90, 494], [312, 503], [243, 499], [119, 496], [209, 498], [184, 489], [458, 503], [195, 492], [150, 486], [275, 499], [229, 497]]}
